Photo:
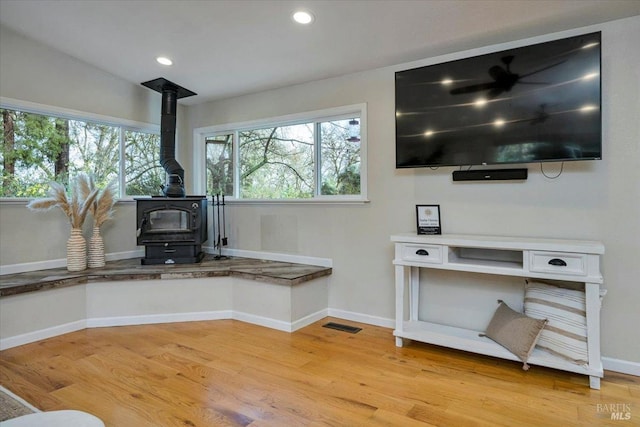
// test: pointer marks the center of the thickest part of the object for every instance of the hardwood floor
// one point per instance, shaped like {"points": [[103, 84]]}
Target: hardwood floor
{"points": [[230, 373]]}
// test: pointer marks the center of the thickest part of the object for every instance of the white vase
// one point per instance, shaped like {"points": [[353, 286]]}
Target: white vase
{"points": [[76, 251], [96, 249]]}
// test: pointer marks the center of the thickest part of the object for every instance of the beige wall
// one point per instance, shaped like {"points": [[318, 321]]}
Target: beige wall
{"points": [[49, 312], [598, 200], [34, 316], [27, 236], [31, 71], [590, 200]]}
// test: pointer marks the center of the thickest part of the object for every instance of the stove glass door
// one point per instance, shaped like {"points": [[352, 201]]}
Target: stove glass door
{"points": [[168, 220]]}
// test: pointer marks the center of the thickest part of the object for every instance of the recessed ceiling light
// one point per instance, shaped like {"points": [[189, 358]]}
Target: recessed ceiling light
{"points": [[164, 60], [303, 17]]}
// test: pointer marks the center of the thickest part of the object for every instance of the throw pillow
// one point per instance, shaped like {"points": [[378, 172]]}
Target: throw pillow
{"points": [[565, 334], [515, 331]]}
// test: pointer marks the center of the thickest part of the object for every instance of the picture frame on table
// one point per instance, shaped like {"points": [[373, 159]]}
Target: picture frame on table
{"points": [[428, 219]]}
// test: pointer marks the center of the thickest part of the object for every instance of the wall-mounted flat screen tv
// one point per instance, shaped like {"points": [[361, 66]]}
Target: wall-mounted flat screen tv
{"points": [[536, 103]]}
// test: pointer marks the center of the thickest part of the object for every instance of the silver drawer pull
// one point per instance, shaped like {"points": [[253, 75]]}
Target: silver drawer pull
{"points": [[422, 252], [557, 262]]}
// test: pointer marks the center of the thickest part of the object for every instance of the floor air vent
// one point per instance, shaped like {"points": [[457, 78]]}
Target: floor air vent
{"points": [[341, 327]]}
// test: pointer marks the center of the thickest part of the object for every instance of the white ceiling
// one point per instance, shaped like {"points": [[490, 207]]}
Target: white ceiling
{"points": [[228, 48]]}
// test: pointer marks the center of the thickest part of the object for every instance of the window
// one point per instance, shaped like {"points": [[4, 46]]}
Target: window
{"points": [[310, 156], [37, 149], [219, 158]]}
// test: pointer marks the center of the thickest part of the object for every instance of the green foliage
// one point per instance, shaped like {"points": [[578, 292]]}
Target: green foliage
{"points": [[31, 151], [275, 163], [38, 149]]}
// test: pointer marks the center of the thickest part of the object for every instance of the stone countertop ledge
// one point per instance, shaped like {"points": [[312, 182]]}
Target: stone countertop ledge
{"points": [[281, 273]]}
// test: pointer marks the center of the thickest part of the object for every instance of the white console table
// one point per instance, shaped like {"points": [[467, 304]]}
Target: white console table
{"points": [[551, 259]]}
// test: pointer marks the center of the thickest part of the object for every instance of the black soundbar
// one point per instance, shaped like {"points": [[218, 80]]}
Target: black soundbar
{"points": [[490, 174]]}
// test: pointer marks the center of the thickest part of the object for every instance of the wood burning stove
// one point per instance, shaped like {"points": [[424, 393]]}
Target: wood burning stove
{"points": [[172, 230], [172, 227]]}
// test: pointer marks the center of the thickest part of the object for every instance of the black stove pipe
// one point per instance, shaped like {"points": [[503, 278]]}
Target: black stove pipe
{"points": [[171, 92], [175, 186]]}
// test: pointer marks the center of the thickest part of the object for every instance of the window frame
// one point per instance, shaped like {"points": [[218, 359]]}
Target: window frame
{"points": [[69, 114], [330, 114]]}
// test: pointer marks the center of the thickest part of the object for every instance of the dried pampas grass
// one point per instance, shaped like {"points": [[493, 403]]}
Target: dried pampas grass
{"points": [[84, 185], [102, 206], [75, 206], [57, 197]]}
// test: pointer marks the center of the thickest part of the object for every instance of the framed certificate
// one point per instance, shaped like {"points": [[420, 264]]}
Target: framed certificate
{"points": [[428, 219]]}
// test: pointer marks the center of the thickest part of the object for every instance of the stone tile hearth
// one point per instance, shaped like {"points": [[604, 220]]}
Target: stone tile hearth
{"points": [[276, 272]]}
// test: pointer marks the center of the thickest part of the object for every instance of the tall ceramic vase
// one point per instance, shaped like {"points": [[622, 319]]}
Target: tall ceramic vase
{"points": [[96, 249], [76, 251]]}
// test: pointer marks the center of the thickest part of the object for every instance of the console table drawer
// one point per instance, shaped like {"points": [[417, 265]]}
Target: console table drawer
{"points": [[558, 262], [431, 254]]}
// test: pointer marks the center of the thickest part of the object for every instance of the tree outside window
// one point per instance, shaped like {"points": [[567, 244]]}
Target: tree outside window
{"points": [[277, 163], [143, 173], [38, 149], [290, 161], [340, 157], [219, 164]]}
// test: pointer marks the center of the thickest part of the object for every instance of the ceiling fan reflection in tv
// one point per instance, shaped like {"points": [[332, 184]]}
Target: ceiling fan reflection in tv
{"points": [[537, 103]]}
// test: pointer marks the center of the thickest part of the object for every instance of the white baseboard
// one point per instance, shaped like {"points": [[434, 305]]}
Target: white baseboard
{"points": [[609, 363], [42, 334], [272, 256], [362, 318], [115, 256], [149, 319], [103, 322], [32, 266], [279, 325], [60, 263], [267, 322], [622, 366], [307, 320]]}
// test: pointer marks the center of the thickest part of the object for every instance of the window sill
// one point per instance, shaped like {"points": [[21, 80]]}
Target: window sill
{"points": [[314, 201], [14, 200]]}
